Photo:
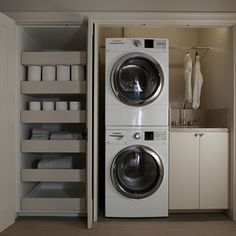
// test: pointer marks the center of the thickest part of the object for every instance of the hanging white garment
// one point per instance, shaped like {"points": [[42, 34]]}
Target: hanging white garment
{"points": [[187, 77], [197, 80]]}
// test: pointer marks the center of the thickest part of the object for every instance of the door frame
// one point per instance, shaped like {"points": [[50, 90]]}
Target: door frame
{"points": [[144, 19], [161, 19]]}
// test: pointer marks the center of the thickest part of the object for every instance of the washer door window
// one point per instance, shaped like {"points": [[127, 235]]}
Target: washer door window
{"points": [[137, 79], [137, 172]]}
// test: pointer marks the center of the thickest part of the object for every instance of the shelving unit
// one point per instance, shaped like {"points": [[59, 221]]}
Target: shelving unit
{"points": [[53, 116], [53, 190], [53, 146], [53, 175], [53, 87], [42, 198]]}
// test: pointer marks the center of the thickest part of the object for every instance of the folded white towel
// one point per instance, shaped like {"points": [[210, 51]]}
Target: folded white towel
{"points": [[39, 138], [40, 134], [188, 77], [40, 131], [61, 136], [198, 80]]}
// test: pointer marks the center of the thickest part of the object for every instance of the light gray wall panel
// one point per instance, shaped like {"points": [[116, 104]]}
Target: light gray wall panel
{"points": [[121, 5]]}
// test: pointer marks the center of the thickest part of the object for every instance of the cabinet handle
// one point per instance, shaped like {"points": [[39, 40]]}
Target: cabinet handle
{"points": [[199, 135], [116, 135]]}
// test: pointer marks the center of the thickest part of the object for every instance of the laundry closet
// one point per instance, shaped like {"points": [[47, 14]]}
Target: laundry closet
{"points": [[30, 191], [214, 118], [49, 94]]}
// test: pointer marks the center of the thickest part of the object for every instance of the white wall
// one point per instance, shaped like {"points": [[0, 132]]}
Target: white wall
{"points": [[217, 66], [219, 84], [121, 5]]}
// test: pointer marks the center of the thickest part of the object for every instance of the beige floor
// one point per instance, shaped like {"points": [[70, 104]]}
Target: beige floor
{"points": [[176, 225]]}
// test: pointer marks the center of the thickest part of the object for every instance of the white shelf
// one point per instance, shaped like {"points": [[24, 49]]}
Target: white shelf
{"points": [[53, 175], [55, 199], [53, 58], [56, 146], [53, 87], [53, 116]]}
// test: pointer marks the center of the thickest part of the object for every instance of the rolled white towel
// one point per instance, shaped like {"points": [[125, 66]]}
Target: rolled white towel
{"points": [[56, 163]]}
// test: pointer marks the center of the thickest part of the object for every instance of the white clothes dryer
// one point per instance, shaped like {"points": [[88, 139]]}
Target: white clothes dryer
{"points": [[137, 82], [136, 165]]}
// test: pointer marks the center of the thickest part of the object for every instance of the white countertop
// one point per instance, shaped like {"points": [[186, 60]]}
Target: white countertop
{"points": [[197, 129]]}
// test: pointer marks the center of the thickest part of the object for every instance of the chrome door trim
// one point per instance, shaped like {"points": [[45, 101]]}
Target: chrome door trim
{"points": [[120, 189], [117, 67]]}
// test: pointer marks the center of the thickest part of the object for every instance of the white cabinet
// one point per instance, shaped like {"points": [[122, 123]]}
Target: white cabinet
{"points": [[214, 170], [199, 170], [184, 171]]}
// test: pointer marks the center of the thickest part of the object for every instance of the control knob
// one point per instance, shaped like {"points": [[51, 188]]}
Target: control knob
{"points": [[137, 135], [137, 43]]}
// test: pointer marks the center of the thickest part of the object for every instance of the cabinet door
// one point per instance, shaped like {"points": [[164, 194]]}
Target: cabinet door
{"points": [[214, 170], [184, 171], [8, 121]]}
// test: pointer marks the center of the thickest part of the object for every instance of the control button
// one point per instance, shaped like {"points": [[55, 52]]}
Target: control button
{"points": [[137, 43], [137, 135]]}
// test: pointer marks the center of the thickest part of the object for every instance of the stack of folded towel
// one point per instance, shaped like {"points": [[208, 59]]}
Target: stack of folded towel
{"points": [[44, 134], [65, 136], [40, 134]]}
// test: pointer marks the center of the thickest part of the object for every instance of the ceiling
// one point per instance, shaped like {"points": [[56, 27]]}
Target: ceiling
{"points": [[119, 5]]}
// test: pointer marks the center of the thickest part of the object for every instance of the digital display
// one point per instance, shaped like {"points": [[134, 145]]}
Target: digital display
{"points": [[148, 43], [148, 135]]}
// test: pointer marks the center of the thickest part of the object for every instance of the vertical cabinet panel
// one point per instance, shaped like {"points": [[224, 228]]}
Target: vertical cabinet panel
{"points": [[184, 171], [8, 140], [214, 184], [199, 170]]}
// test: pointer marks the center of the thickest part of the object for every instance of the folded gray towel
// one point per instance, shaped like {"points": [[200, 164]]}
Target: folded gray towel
{"points": [[40, 131]]}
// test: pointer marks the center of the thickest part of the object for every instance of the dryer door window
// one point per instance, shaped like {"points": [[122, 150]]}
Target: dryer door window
{"points": [[137, 172], [137, 79]]}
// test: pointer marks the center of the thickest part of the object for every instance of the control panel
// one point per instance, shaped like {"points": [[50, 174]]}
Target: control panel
{"points": [[150, 43], [124, 44], [131, 136]]}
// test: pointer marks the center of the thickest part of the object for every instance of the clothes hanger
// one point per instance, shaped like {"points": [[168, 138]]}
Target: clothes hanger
{"points": [[196, 54]]}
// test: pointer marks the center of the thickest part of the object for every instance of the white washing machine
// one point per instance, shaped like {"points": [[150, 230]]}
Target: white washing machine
{"points": [[137, 82], [136, 183]]}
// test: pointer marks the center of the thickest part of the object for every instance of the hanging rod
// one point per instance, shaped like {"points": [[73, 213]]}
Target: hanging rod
{"points": [[189, 48], [183, 48]]}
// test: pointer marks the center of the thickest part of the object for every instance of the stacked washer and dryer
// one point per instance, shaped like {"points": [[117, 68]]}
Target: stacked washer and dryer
{"points": [[136, 111]]}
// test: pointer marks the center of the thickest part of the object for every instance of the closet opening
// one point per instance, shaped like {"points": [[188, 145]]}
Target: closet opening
{"points": [[215, 48], [52, 120]]}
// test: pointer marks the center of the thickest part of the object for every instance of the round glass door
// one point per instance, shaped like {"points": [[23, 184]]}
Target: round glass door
{"points": [[137, 79], [137, 172]]}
